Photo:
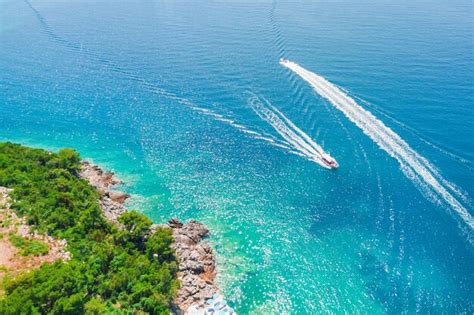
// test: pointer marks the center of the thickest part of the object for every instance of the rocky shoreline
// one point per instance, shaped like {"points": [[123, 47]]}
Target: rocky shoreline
{"points": [[197, 268], [112, 202]]}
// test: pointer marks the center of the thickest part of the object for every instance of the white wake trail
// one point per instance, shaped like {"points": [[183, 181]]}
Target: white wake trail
{"points": [[415, 167], [298, 139]]}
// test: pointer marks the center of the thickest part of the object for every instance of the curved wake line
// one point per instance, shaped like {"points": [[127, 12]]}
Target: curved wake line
{"points": [[414, 166], [465, 162], [294, 136], [279, 39], [149, 86]]}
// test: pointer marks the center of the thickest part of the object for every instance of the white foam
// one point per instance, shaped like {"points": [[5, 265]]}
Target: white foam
{"points": [[281, 146], [250, 132], [414, 132], [414, 166], [227, 120], [293, 135], [264, 138]]}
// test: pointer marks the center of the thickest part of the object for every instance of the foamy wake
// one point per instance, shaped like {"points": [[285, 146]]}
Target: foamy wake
{"points": [[149, 86], [300, 142], [415, 167]]}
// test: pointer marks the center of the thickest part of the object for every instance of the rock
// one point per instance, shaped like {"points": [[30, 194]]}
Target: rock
{"points": [[97, 177], [193, 230], [112, 210], [197, 268], [118, 196], [175, 223], [110, 201]]}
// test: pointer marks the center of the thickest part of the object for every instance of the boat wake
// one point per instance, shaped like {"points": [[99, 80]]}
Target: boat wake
{"points": [[149, 86], [300, 142], [463, 161], [417, 168]]}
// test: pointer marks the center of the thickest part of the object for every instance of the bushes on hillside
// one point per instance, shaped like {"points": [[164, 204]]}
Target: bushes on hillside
{"points": [[119, 271], [29, 247]]}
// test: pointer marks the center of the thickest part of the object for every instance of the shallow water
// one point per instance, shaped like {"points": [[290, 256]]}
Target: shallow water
{"points": [[161, 92]]}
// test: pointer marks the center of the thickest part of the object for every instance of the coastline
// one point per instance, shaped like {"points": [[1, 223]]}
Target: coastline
{"points": [[196, 260], [108, 269]]}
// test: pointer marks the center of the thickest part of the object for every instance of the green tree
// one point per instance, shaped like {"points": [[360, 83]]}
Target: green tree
{"points": [[158, 246], [136, 227], [123, 271], [95, 306]]}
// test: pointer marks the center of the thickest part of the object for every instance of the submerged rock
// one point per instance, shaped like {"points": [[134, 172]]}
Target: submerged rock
{"points": [[118, 196]]}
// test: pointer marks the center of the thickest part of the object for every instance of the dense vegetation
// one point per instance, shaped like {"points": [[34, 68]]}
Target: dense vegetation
{"points": [[118, 271]]}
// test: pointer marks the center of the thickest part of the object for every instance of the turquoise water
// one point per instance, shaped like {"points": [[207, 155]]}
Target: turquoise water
{"points": [[163, 93]]}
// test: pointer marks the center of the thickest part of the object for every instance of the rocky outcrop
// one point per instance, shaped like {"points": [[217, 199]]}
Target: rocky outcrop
{"points": [[111, 201], [4, 198], [97, 177], [197, 266]]}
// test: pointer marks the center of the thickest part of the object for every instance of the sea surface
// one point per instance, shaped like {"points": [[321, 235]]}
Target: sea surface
{"points": [[187, 102]]}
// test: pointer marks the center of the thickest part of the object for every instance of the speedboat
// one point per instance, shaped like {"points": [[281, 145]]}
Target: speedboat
{"points": [[283, 61], [329, 161]]}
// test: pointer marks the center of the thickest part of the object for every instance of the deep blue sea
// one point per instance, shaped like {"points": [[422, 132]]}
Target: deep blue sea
{"points": [[170, 94]]}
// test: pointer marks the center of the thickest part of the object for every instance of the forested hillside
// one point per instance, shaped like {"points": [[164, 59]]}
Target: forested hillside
{"points": [[119, 271]]}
